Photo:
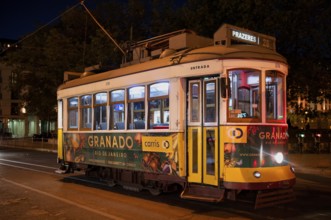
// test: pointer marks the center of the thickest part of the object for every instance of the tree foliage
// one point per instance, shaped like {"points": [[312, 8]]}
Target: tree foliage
{"points": [[301, 28]]}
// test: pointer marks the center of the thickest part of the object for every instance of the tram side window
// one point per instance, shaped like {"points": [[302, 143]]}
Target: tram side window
{"points": [[210, 101], [158, 105], [245, 94], [117, 109], [275, 88], [73, 113], [195, 102], [100, 111], [136, 108], [86, 111]]}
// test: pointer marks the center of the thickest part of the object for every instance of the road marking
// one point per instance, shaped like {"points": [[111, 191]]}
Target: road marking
{"points": [[31, 164], [25, 168], [63, 200]]}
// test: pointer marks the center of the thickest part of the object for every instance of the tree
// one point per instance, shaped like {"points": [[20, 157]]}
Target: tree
{"points": [[304, 42], [40, 63]]}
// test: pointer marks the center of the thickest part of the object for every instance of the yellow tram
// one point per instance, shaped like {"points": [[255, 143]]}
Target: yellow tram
{"points": [[206, 116]]}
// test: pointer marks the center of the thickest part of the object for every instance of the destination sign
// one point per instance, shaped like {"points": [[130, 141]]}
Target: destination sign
{"points": [[245, 36], [229, 34]]}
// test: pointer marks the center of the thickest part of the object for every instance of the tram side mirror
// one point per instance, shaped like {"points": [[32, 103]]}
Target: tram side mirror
{"points": [[225, 87]]}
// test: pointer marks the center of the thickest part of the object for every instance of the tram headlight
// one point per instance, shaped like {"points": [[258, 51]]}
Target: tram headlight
{"points": [[257, 174], [279, 157]]}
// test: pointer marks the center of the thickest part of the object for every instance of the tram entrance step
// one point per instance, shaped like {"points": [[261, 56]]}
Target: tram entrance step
{"points": [[275, 197], [202, 193]]}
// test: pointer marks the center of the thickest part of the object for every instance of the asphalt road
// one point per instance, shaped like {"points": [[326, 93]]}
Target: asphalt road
{"points": [[30, 189]]}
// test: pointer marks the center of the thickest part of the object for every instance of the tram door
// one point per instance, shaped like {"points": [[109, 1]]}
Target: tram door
{"points": [[203, 132]]}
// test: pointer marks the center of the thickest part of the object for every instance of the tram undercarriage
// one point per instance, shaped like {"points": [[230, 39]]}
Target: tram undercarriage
{"points": [[260, 198], [158, 183], [136, 180]]}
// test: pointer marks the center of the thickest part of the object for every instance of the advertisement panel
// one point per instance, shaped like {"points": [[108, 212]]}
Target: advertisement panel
{"points": [[254, 145], [149, 152]]}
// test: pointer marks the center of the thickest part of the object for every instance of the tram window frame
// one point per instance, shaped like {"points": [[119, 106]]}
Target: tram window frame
{"points": [[195, 102], [100, 111], [278, 100], [158, 102], [115, 108], [136, 108], [86, 110], [225, 87], [207, 106], [73, 118], [247, 92]]}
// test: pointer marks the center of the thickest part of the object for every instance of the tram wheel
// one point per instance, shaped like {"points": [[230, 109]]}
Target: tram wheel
{"points": [[155, 192], [110, 183]]}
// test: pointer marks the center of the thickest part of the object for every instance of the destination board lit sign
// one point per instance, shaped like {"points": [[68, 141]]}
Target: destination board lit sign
{"points": [[231, 35], [263, 41], [245, 36]]}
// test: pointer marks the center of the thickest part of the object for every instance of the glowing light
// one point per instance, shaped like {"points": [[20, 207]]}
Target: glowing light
{"points": [[279, 157], [23, 110], [257, 174], [261, 154]]}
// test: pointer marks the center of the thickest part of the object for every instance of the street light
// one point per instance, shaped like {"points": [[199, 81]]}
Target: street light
{"points": [[23, 110]]}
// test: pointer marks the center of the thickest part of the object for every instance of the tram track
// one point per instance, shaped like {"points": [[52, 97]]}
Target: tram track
{"points": [[78, 177], [28, 166]]}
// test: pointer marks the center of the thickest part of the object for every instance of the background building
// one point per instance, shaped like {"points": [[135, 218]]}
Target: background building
{"points": [[14, 120]]}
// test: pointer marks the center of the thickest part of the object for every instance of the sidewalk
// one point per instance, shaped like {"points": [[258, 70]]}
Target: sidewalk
{"points": [[317, 164]]}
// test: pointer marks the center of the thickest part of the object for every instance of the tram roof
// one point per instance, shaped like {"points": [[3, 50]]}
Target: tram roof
{"points": [[240, 51]]}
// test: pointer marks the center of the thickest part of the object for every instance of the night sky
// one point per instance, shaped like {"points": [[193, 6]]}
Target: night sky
{"points": [[20, 18]]}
